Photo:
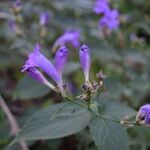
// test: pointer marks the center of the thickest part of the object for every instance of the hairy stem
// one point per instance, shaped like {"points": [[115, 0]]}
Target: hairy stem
{"points": [[14, 127]]}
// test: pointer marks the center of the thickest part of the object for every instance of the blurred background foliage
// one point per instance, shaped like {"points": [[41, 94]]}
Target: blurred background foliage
{"points": [[124, 57]]}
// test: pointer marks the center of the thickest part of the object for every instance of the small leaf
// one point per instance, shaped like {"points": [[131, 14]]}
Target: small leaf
{"points": [[55, 122], [108, 135]]}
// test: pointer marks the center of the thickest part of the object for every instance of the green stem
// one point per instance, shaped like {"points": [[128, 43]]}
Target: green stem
{"points": [[89, 107]]}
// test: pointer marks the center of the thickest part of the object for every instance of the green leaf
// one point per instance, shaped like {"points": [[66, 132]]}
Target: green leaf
{"points": [[108, 135], [28, 88], [113, 108], [56, 121]]}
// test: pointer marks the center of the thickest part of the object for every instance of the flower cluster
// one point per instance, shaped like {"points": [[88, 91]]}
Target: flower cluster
{"points": [[37, 60], [110, 17], [143, 116], [69, 36]]}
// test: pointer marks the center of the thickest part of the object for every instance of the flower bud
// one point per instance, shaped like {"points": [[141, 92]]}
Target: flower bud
{"points": [[85, 60], [61, 57], [144, 114], [44, 18]]}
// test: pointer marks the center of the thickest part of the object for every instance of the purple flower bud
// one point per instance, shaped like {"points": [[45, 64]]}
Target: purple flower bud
{"points": [[144, 114], [101, 6], [44, 18], [36, 59], [61, 57], [85, 60], [110, 20], [71, 36]]}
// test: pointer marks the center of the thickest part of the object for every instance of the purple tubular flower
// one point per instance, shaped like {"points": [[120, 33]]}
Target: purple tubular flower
{"points": [[44, 18], [85, 60], [36, 59], [35, 74], [61, 57], [71, 36], [110, 20], [144, 113], [101, 6], [38, 76]]}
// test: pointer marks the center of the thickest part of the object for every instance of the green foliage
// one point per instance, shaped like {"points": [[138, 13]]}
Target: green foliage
{"points": [[110, 108], [60, 120], [108, 135], [124, 61], [55, 122]]}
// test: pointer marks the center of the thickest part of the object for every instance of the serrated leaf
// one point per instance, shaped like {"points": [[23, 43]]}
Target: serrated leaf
{"points": [[113, 108], [56, 121], [108, 135], [28, 88]]}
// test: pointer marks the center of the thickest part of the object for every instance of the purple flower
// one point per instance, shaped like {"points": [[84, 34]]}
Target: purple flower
{"points": [[44, 18], [69, 36], [144, 114], [37, 75], [36, 59], [17, 5], [85, 60], [61, 57], [110, 20], [101, 6]]}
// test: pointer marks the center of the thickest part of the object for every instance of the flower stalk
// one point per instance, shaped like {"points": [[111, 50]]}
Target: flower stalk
{"points": [[14, 127]]}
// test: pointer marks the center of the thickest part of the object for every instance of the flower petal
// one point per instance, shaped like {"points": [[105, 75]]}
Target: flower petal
{"points": [[61, 57], [36, 59]]}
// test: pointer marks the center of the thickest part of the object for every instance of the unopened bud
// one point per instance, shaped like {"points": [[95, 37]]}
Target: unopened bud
{"points": [[85, 61]]}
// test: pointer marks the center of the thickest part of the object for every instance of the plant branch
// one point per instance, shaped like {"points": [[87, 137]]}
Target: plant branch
{"points": [[14, 127]]}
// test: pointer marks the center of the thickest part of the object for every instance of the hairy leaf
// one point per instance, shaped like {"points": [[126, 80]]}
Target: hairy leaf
{"points": [[54, 122], [108, 135], [113, 108]]}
